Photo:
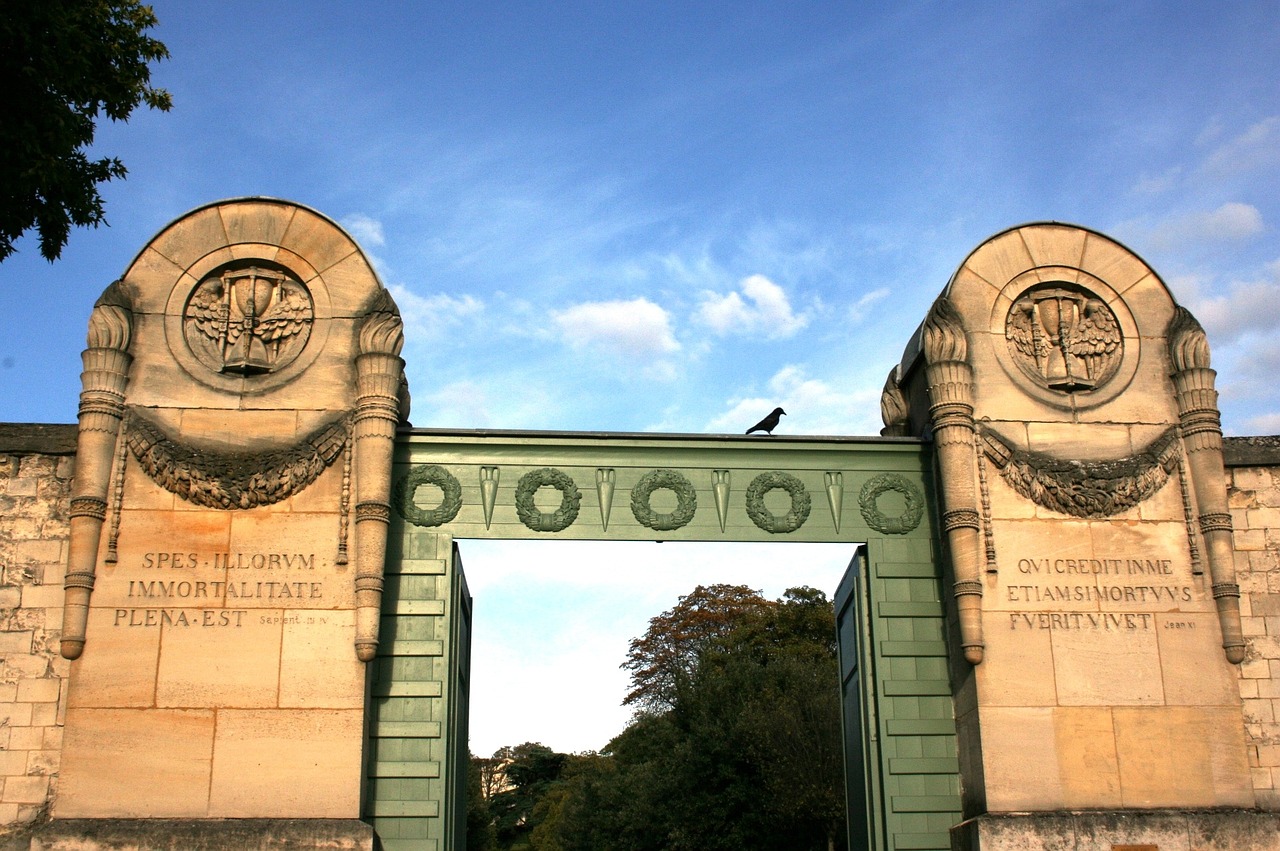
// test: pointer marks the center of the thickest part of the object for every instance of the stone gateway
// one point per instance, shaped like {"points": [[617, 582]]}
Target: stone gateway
{"points": [[236, 614]]}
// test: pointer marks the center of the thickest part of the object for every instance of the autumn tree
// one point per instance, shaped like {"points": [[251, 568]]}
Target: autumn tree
{"points": [[64, 63], [665, 657]]}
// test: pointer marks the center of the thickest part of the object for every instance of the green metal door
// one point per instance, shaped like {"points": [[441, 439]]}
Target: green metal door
{"points": [[416, 765], [901, 768]]}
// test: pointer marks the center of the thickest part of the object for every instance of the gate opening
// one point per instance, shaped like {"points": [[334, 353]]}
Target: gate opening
{"points": [[553, 621]]}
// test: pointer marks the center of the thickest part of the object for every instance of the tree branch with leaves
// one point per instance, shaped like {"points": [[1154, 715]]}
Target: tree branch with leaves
{"points": [[63, 64]]}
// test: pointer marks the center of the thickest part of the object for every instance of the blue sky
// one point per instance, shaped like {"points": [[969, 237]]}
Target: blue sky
{"points": [[673, 216]]}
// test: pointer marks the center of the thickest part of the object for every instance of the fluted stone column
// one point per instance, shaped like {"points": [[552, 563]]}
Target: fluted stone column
{"points": [[106, 374], [1201, 426], [950, 382], [379, 373]]}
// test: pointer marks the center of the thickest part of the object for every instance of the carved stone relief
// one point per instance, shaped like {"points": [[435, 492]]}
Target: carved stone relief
{"points": [[900, 524], [1084, 488], [1064, 338], [760, 515], [233, 480], [248, 319]]}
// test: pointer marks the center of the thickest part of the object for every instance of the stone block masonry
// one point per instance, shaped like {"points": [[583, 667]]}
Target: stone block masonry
{"points": [[1254, 498], [36, 466]]}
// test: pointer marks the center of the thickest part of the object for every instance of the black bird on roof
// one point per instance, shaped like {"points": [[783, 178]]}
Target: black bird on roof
{"points": [[769, 423]]}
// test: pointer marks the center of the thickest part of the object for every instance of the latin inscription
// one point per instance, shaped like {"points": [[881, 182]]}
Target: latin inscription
{"points": [[230, 561], [1100, 621], [1131, 584], [278, 577]]}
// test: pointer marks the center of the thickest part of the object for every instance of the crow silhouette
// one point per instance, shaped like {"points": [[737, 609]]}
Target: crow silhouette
{"points": [[769, 423]]}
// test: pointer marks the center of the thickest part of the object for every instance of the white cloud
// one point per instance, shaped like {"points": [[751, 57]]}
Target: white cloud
{"points": [[1268, 423], [427, 315], [637, 328], [366, 230], [1232, 222], [1244, 307], [765, 309], [860, 308], [458, 403], [1256, 148], [813, 407], [1155, 184], [1231, 309], [508, 400]]}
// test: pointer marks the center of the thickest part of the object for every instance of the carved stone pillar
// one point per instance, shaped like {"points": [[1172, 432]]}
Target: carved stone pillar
{"points": [[379, 374], [950, 383], [1201, 427], [106, 374]]}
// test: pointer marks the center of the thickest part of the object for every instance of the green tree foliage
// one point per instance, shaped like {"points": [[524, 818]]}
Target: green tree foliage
{"points": [[747, 754], [481, 835], [62, 64], [531, 771]]}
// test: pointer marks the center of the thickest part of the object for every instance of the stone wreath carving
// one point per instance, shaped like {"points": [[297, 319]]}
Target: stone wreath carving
{"points": [[406, 488], [763, 517], [1084, 488], [541, 521], [233, 480], [884, 483], [686, 500]]}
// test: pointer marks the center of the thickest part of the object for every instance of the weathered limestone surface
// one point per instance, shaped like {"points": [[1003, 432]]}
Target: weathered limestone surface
{"points": [[1255, 511], [228, 517], [1090, 555], [36, 466]]}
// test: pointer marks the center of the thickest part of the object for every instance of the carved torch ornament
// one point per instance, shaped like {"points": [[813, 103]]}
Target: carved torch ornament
{"points": [[379, 375], [1201, 427], [950, 382], [106, 372]]}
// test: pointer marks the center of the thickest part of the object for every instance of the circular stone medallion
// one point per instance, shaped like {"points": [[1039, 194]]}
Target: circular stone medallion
{"points": [[1064, 338], [248, 319]]}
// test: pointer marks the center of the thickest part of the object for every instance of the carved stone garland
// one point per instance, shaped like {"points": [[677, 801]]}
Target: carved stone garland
{"points": [[1084, 488], [540, 521], [406, 488], [763, 517], [1201, 430], [950, 384], [686, 500], [233, 480]]}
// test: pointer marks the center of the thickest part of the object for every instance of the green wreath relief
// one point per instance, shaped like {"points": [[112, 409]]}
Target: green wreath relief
{"points": [[904, 522], [763, 517], [686, 500], [541, 521], [406, 488]]}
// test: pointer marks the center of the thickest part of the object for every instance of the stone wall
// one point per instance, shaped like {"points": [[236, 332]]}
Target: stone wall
{"points": [[37, 462], [36, 465], [1254, 473]]}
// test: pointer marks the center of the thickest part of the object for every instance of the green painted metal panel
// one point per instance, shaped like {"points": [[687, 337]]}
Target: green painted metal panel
{"points": [[418, 697], [924, 765], [915, 687], [900, 734], [910, 765], [913, 648], [605, 468]]}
